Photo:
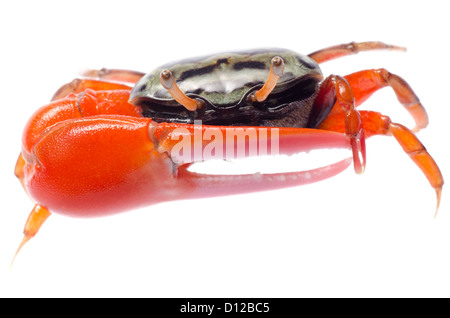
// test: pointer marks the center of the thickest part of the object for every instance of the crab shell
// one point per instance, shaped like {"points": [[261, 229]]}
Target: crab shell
{"points": [[223, 81]]}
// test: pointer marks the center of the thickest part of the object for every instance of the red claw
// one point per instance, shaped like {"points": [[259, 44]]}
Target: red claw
{"points": [[115, 160]]}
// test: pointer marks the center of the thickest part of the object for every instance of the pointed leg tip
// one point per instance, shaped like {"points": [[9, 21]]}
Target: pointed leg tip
{"points": [[398, 48], [359, 166], [25, 239], [359, 156], [438, 197], [37, 217]]}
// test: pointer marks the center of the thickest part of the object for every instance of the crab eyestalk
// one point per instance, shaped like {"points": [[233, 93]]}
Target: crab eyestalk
{"points": [[169, 83], [276, 70]]}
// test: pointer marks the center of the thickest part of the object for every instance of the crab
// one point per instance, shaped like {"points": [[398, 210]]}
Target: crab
{"points": [[115, 140]]}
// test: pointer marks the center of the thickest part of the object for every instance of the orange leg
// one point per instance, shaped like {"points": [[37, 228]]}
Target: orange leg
{"points": [[99, 80], [378, 124], [80, 85], [335, 89], [35, 220], [341, 50], [367, 82], [18, 170], [123, 76]]}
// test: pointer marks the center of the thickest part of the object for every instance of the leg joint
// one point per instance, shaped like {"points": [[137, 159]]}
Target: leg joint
{"points": [[385, 75]]}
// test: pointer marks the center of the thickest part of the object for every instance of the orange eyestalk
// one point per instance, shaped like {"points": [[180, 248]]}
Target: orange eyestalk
{"points": [[169, 83], [37, 217], [276, 70]]}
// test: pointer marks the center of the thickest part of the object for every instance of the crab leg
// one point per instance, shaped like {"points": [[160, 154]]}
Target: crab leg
{"points": [[367, 82], [35, 220], [378, 124], [123, 76], [80, 85], [99, 80], [18, 169], [341, 50], [335, 94]]}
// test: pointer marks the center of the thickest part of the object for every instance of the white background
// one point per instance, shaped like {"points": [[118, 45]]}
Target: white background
{"points": [[350, 236]]}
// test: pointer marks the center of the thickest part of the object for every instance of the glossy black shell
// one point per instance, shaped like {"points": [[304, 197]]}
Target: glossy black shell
{"points": [[224, 81]]}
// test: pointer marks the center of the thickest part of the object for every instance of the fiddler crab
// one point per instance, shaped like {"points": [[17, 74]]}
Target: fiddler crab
{"points": [[115, 140]]}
